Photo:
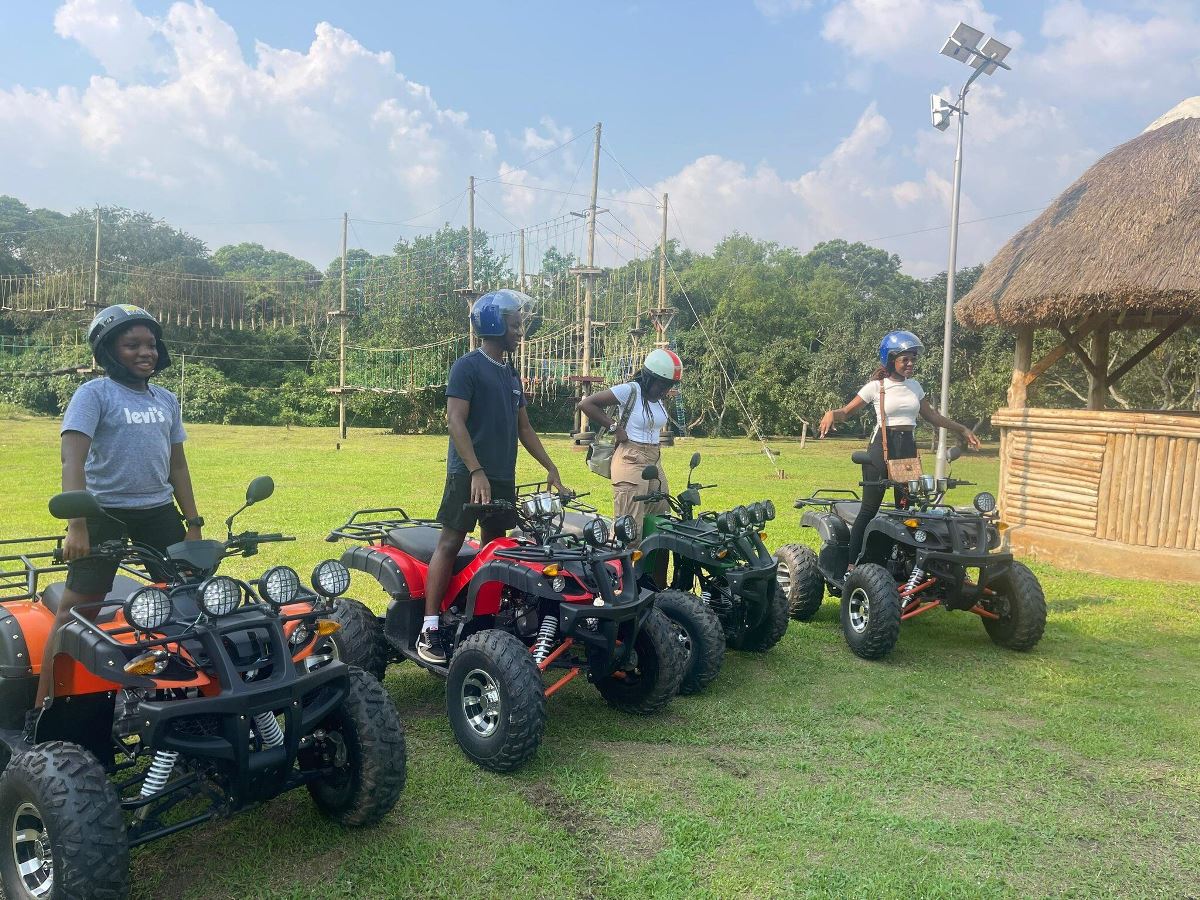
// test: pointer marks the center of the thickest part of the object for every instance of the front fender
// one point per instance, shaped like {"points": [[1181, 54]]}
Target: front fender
{"points": [[829, 526]]}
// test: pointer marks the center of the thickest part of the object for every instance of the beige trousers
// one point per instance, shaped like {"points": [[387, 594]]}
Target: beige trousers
{"points": [[628, 461]]}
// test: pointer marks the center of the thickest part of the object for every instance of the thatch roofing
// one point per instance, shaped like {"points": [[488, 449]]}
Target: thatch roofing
{"points": [[1125, 237]]}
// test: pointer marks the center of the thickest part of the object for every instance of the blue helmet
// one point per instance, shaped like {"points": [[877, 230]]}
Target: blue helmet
{"points": [[898, 342], [489, 312]]}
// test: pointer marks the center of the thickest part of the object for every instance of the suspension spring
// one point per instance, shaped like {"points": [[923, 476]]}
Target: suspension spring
{"points": [[918, 575], [268, 729], [545, 639], [159, 772]]}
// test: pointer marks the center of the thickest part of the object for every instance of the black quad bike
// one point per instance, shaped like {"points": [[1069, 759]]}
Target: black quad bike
{"points": [[514, 610], [917, 555], [178, 698]]}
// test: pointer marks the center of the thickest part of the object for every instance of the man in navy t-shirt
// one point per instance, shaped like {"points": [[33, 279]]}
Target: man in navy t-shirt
{"points": [[485, 411]]}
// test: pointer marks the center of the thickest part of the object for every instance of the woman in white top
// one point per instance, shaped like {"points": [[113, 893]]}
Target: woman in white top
{"points": [[904, 400], [638, 439]]}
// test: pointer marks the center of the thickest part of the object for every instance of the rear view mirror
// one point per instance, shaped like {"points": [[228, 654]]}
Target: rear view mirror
{"points": [[695, 460], [76, 505], [953, 453], [650, 473], [260, 489]]}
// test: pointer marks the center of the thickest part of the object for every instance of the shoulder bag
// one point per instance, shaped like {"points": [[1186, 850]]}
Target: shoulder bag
{"points": [[600, 453]]}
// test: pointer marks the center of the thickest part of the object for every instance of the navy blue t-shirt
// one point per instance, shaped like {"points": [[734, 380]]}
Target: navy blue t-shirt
{"points": [[494, 391]]}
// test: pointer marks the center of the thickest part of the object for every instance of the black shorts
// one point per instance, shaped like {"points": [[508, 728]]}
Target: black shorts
{"points": [[458, 492], [158, 527]]}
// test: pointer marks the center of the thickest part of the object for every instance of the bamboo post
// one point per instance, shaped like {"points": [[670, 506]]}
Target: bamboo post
{"points": [[1022, 360]]}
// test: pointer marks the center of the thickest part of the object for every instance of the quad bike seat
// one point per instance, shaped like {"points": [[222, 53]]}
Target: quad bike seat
{"points": [[419, 542], [122, 587], [847, 510]]}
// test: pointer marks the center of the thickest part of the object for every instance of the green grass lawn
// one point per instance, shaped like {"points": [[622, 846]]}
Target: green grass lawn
{"points": [[951, 769]]}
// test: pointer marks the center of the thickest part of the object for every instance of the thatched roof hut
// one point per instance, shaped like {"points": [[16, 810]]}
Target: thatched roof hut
{"points": [[1123, 239]]}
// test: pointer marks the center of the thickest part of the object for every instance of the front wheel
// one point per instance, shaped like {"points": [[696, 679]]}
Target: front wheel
{"points": [[700, 635], [1021, 605], [61, 832], [652, 672], [364, 740], [767, 633], [871, 611], [360, 641], [800, 578], [495, 700]]}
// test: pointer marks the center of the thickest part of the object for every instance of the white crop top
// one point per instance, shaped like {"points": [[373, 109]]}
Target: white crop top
{"points": [[639, 428], [902, 399]]}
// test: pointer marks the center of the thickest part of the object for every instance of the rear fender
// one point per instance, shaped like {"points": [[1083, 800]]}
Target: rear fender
{"points": [[393, 570], [829, 526]]}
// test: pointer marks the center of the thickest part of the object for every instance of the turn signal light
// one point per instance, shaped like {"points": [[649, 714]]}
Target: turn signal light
{"points": [[912, 523], [762, 535], [721, 554], [327, 627], [1002, 526], [637, 554], [551, 570], [152, 662]]}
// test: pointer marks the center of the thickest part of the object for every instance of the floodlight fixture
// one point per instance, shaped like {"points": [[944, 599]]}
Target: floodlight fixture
{"points": [[940, 110]]}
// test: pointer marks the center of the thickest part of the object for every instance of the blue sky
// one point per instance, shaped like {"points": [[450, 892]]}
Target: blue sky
{"points": [[790, 120]]}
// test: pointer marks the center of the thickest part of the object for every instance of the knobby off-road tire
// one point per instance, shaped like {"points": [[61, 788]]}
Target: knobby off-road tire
{"points": [[58, 793], [767, 633], [871, 611], [1023, 625], [657, 669], [360, 641], [700, 634], [801, 580], [366, 788], [495, 700]]}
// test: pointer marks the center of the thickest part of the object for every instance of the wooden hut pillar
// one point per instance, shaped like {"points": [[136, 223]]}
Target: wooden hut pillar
{"points": [[1022, 360], [1098, 378]]}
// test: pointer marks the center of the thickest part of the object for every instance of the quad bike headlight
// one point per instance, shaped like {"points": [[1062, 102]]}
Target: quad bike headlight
{"points": [[920, 535], [541, 505], [148, 609], [724, 523], [985, 502], [625, 529], [331, 578], [742, 515], [596, 532], [280, 585], [220, 595], [559, 583], [757, 513], [769, 508]]}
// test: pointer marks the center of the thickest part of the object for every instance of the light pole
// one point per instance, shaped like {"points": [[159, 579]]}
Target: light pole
{"points": [[962, 45]]}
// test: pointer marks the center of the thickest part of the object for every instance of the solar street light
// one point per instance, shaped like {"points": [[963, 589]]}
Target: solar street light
{"points": [[962, 45]]}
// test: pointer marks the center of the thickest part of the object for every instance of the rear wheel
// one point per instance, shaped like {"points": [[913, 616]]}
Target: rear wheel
{"points": [[652, 673], [700, 636], [1021, 605], [870, 611], [800, 578], [360, 641], [61, 832], [365, 742], [495, 700]]}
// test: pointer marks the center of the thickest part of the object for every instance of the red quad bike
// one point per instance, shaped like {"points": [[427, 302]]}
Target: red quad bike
{"points": [[177, 698], [915, 557], [515, 610]]}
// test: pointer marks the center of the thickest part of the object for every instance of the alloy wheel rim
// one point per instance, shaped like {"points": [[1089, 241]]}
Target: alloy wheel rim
{"points": [[480, 698], [784, 576], [859, 610], [31, 850]]}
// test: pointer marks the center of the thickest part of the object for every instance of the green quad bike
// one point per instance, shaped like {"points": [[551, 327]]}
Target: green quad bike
{"points": [[740, 604], [916, 556]]}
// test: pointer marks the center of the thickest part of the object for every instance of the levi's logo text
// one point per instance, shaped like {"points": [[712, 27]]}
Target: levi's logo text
{"points": [[149, 416]]}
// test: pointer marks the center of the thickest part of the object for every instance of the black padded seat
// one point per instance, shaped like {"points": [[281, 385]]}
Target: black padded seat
{"points": [[122, 587], [847, 510], [419, 542]]}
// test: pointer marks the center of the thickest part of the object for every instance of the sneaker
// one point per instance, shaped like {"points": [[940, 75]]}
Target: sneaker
{"points": [[429, 647]]}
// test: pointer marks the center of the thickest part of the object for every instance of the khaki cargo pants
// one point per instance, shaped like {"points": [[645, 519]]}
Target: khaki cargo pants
{"points": [[628, 461]]}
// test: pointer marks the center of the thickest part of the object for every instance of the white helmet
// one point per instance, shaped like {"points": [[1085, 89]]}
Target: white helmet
{"points": [[666, 364]]}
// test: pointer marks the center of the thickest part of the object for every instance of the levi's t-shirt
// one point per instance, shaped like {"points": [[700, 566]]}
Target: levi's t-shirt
{"points": [[494, 391], [129, 462]]}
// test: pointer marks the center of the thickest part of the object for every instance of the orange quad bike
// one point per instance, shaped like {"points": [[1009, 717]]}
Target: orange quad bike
{"points": [[178, 698]]}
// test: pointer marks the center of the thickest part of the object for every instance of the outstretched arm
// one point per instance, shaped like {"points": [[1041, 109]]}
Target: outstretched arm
{"points": [[75, 446], [456, 422], [532, 443], [181, 482], [839, 415], [935, 418]]}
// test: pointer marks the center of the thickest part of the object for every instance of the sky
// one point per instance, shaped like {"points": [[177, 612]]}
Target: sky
{"points": [[794, 121]]}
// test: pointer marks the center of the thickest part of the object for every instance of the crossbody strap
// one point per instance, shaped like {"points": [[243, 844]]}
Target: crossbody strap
{"points": [[883, 416], [627, 408]]}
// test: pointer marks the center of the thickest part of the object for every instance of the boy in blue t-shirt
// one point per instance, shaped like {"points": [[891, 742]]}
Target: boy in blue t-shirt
{"points": [[485, 411], [122, 439]]}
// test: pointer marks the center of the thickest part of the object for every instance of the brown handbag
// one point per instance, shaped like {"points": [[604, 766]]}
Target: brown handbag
{"points": [[901, 470]]}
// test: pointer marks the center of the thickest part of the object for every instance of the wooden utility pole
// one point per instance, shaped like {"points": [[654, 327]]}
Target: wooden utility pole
{"points": [[588, 273], [342, 335], [96, 266], [663, 314], [521, 287], [471, 253]]}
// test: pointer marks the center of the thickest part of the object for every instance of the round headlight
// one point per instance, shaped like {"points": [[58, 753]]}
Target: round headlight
{"points": [[757, 513], [742, 515], [920, 535], [985, 502], [769, 508], [625, 529], [559, 583], [148, 609], [331, 578], [596, 532], [724, 523], [219, 596], [280, 585]]}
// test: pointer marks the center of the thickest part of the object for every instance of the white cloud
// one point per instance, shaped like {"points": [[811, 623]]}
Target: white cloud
{"points": [[124, 41]]}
